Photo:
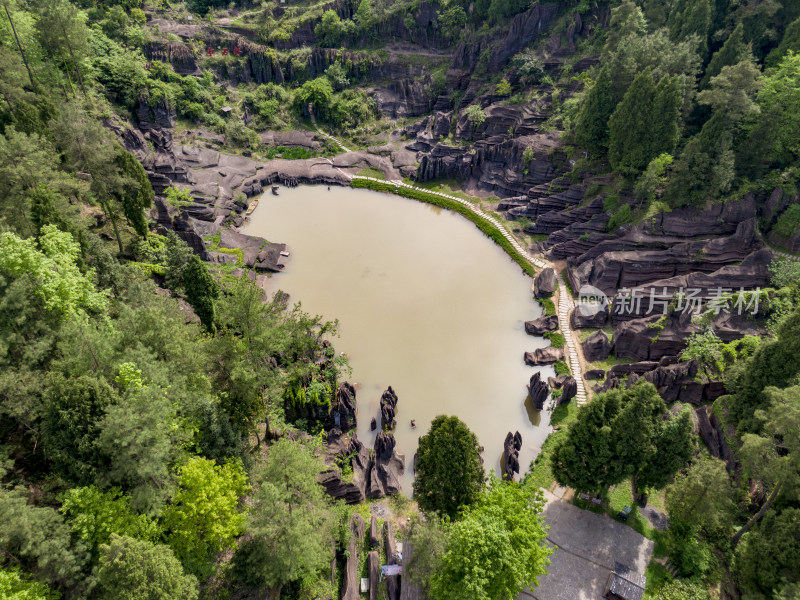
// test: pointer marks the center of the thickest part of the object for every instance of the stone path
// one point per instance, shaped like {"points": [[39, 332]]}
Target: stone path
{"points": [[322, 133], [565, 302], [785, 254]]}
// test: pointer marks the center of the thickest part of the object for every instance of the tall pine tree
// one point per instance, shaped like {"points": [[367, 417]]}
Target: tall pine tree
{"points": [[645, 124]]}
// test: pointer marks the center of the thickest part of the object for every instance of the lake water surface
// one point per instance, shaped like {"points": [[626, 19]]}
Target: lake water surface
{"points": [[426, 303]]}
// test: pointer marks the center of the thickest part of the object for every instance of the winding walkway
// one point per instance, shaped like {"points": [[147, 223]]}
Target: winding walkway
{"points": [[322, 133], [565, 302]]}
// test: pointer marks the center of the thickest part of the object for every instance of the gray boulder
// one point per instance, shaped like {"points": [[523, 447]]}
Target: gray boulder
{"points": [[545, 283], [543, 356], [541, 325], [596, 347], [569, 390]]}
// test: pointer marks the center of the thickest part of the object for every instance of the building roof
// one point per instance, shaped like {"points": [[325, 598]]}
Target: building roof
{"points": [[619, 587]]}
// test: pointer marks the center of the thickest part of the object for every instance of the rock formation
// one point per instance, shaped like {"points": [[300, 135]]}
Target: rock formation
{"points": [[541, 325], [385, 468], [351, 580], [569, 390], [388, 406], [339, 448], [343, 410], [543, 356], [596, 347], [538, 391], [511, 448], [545, 283]]}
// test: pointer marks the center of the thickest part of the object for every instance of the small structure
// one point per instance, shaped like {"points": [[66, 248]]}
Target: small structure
{"points": [[226, 110], [625, 585]]}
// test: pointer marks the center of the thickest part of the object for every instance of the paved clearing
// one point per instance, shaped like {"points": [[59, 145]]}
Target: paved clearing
{"points": [[588, 547]]}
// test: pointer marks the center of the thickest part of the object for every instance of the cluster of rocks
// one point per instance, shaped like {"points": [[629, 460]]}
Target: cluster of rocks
{"points": [[368, 475]]}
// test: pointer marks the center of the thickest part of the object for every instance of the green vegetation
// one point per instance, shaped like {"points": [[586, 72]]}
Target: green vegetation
{"points": [[620, 435], [449, 471]]}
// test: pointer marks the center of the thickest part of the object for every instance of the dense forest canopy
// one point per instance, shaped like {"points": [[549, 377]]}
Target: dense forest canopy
{"points": [[162, 421]]}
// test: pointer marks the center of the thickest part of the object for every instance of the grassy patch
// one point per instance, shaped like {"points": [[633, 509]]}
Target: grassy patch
{"points": [[289, 153], [371, 172], [487, 228], [561, 368], [540, 474], [657, 575], [567, 283], [564, 414], [447, 186], [549, 306], [557, 339], [614, 500], [215, 247]]}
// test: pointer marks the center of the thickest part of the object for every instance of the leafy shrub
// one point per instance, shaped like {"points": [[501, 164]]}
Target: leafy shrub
{"points": [[556, 338], [621, 217], [475, 115], [561, 368]]}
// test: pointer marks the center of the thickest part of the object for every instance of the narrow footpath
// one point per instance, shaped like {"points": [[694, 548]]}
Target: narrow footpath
{"points": [[564, 302]]}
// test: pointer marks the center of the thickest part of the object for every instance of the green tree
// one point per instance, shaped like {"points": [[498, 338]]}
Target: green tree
{"points": [[591, 127], [131, 569], [779, 100], [317, 92], [142, 437], [475, 115], [789, 41], [64, 36], [702, 496], [621, 434], [503, 88], [496, 549], [38, 540], [705, 347], [705, 168], [201, 291], [26, 163], [690, 18], [644, 124], [769, 557], [627, 19], [14, 586], [651, 182], [673, 448], [774, 363], [289, 525], [73, 422], [452, 21], [94, 516], [205, 516], [59, 282], [428, 539], [449, 471], [136, 194], [733, 90], [330, 30], [732, 52]]}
